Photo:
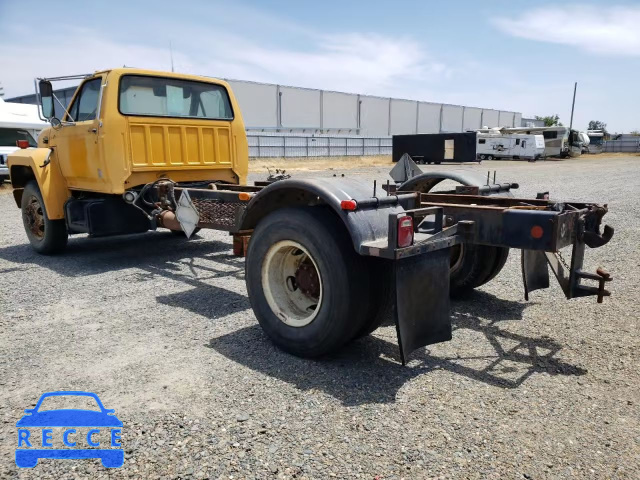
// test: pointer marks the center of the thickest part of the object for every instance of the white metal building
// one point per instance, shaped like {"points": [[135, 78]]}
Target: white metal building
{"points": [[278, 107]]}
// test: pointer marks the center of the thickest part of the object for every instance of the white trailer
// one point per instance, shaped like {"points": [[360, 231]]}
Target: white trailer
{"points": [[497, 145], [559, 141], [17, 122]]}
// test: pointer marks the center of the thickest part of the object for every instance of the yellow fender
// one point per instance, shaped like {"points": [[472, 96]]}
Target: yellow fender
{"points": [[25, 165]]}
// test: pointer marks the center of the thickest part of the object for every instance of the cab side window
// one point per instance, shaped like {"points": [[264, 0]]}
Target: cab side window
{"points": [[85, 105]]}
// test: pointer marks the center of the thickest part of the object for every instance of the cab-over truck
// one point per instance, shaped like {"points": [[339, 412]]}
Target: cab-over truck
{"points": [[139, 150]]}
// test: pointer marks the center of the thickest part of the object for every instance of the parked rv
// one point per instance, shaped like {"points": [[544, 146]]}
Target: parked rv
{"points": [[17, 122], [498, 145], [558, 141], [596, 141]]}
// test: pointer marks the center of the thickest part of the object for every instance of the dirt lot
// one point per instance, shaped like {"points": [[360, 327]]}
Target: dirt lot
{"points": [[318, 164], [161, 329]]}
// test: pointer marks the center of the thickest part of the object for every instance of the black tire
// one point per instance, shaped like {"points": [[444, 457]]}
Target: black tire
{"points": [[45, 235], [489, 157], [380, 299], [502, 253], [343, 273], [472, 269]]}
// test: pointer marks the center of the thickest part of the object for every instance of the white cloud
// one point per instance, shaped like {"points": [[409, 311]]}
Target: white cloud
{"points": [[361, 63], [604, 30], [22, 62]]}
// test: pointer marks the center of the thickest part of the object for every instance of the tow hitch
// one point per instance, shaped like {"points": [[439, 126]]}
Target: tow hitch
{"points": [[535, 263]]}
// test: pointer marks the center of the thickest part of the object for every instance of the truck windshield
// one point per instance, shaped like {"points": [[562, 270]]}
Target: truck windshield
{"points": [[169, 97], [9, 137]]}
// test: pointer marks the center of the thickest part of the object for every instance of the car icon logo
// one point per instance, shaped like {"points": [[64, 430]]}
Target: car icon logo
{"points": [[36, 433]]}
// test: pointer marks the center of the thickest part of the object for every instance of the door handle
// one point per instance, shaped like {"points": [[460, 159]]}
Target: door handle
{"points": [[93, 130]]}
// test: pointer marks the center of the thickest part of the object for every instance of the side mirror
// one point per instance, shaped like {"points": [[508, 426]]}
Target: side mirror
{"points": [[46, 99]]}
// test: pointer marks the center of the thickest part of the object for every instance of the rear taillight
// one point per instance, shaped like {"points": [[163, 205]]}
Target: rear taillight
{"points": [[22, 143], [405, 231]]}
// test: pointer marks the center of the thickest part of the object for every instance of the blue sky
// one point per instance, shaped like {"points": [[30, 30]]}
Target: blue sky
{"points": [[512, 55]]}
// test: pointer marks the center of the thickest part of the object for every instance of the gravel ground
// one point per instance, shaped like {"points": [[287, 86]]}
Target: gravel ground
{"points": [[161, 328]]}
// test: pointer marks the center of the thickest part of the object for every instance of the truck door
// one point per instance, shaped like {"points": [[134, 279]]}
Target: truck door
{"points": [[76, 144]]}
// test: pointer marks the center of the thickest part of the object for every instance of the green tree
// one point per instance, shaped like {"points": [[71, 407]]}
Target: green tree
{"points": [[598, 125], [551, 120]]}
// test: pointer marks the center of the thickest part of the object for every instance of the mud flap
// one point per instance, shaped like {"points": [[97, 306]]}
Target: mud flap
{"points": [[422, 301], [535, 272]]}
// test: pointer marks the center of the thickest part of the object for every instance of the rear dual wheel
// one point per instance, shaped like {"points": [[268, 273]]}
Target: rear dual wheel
{"points": [[312, 292], [309, 289], [474, 265]]}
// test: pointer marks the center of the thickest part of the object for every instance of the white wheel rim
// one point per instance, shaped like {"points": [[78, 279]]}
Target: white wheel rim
{"points": [[282, 267]]}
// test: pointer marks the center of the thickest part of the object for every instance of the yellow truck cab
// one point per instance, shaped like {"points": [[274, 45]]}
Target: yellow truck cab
{"points": [[124, 128]]}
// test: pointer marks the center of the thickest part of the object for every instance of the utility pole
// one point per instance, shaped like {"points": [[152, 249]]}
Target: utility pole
{"points": [[573, 104], [171, 54]]}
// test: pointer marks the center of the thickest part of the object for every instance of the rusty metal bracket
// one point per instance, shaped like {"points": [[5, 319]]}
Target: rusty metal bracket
{"points": [[241, 242], [602, 277], [569, 277]]}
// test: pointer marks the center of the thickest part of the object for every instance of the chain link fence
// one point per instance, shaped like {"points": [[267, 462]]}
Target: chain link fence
{"points": [[629, 146], [264, 145]]}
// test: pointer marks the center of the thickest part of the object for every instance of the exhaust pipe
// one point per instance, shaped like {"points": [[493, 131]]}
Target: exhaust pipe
{"points": [[168, 219]]}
